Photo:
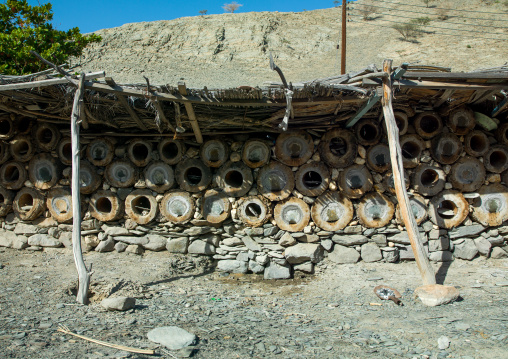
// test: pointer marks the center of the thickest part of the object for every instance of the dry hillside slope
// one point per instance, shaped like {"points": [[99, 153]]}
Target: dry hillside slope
{"points": [[233, 49]]}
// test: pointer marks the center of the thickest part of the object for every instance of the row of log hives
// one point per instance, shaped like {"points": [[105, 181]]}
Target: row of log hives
{"points": [[163, 154]]}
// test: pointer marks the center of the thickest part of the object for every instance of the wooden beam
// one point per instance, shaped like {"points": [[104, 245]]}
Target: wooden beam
{"points": [[163, 118], [485, 96], [436, 85], [364, 109], [190, 113], [456, 75], [121, 98], [49, 82], [421, 258], [444, 97], [500, 107]]}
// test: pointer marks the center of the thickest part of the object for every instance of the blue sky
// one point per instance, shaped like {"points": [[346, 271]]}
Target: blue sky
{"points": [[92, 15]]}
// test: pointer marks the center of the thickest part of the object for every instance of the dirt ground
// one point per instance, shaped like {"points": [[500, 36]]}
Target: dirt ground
{"points": [[332, 314]]}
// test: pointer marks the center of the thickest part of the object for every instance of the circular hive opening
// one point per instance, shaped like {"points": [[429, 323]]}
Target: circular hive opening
{"points": [[67, 151], [11, 173], [429, 177], [103, 205], [429, 124], [170, 150], [121, 174], [447, 209], [99, 152], [295, 149], [400, 122], [449, 149], [355, 181], [380, 160], [462, 123], [45, 136], [140, 152], [141, 205], [23, 125], [478, 143], [193, 175], [338, 146], [234, 179], [5, 127], [2, 198], [21, 147], [253, 210], [498, 159], [410, 150], [467, 175], [368, 132], [312, 179], [44, 174], [493, 205], [292, 214], [26, 202], [214, 154]]}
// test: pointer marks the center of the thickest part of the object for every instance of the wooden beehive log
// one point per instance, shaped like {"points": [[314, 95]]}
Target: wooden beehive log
{"points": [[275, 181], [411, 147], [312, 179], [355, 181], [491, 207], [171, 151], [177, 207], [338, 148], [6, 198], [100, 152], [121, 173], [46, 136], [22, 149], [44, 171], [448, 209], [13, 175], [476, 143], [89, 180], [216, 206], [140, 152], [193, 175], [375, 210], [23, 125], [106, 206], [332, 211], [378, 158], [7, 129], [418, 207], [159, 176], [428, 125], [428, 180], [292, 214], [255, 153], [254, 211], [502, 134], [214, 153], [467, 174], [368, 132], [59, 204], [64, 151], [446, 148], [294, 148], [496, 159], [141, 206], [5, 152], [402, 122], [28, 204], [461, 120], [389, 184], [235, 178]]}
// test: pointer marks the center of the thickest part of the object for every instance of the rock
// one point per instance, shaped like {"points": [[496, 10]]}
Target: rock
{"points": [[402, 238], [118, 303], [173, 338], [267, 232], [134, 249], [129, 223], [441, 256], [251, 244], [406, 253], [303, 252], [66, 239], [132, 240], [44, 240], [232, 241], [106, 246], [255, 267], [443, 343], [92, 240], [379, 239], [262, 259], [213, 239], [483, 245], [24, 228], [498, 253], [115, 231], [232, 266], [178, 245], [371, 253], [120, 247], [306, 267], [327, 244], [45, 222], [54, 232], [496, 241], [465, 250], [155, 243], [201, 247], [353, 229], [309, 238], [436, 294], [462, 326], [254, 231], [390, 254], [440, 244], [466, 231], [11, 240], [349, 240], [342, 255], [277, 271], [242, 256], [287, 240], [197, 231]]}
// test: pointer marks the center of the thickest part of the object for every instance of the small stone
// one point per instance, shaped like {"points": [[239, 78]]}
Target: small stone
{"points": [[309, 238], [462, 326], [262, 259], [441, 256], [370, 252], [155, 243], [11, 240], [196, 231], [327, 244], [120, 247], [287, 240], [243, 256], [232, 266], [342, 254], [251, 244], [44, 240], [436, 294], [134, 249], [350, 240], [441, 244], [232, 241], [465, 250], [173, 338], [201, 247], [178, 245], [130, 224], [115, 231], [92, 240], [255, 267], [498, 253], [118, 303], [277, 271], [494, 177], [306, 267], [466, 231], [353, 229], [267, 232], [496, 241], [379, 239], [24, 228], [443, 343], [359, 161], [303, 252], [132, 240], [390, 254]]}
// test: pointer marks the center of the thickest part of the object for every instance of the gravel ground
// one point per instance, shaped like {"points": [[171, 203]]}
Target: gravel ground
{"points": [[332, 314]]}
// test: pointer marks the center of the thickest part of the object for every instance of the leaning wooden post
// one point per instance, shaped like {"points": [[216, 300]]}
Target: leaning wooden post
{"points": [[83, 273], [400, 189]]}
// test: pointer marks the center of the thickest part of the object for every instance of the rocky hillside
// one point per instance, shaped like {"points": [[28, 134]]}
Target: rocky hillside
{"points": [[233, 49]]}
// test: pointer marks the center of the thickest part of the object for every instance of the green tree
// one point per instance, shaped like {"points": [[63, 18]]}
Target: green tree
{"points": [[24, 28]]}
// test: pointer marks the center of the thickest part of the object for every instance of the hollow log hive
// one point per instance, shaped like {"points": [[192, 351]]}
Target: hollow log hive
{"points": [[228, 184]]}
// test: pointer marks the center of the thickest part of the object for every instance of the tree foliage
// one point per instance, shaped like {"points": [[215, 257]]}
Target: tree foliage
{"points": [[231, 7], [24, 28]]}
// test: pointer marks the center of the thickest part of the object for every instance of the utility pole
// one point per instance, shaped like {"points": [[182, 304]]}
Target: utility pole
{"points": [[343, 45]]}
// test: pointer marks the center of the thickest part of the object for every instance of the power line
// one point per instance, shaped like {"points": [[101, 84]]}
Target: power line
{"points": [[439, 8], [439, 33]]}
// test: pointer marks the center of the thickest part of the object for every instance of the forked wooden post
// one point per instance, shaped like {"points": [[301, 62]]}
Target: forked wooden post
{"points": [[83, 273], [421, 258]]}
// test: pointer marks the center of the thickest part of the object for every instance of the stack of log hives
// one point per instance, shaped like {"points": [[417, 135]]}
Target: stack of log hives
{"points": [[264, 203]]}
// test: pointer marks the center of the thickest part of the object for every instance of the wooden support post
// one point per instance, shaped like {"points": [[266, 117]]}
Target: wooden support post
{"points": [[190, 113], [163, 118], [83, 273], [371, 101], [398, 178], [444, 97], [343, 44], [126, 105]]}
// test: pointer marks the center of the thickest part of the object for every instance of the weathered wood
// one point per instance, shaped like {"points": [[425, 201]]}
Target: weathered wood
{"points": [[444, 97], [364, 109], [422, 261], [436, 85], [160, 112], [190, 113], [49, 82], [501, 107], [456, 75], [126, 105], [484, 96], [83, 273]]}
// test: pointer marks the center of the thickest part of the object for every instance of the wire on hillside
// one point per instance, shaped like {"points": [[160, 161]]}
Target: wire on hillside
{"points": [[434, 32], [429, 13], [439, 8]]}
